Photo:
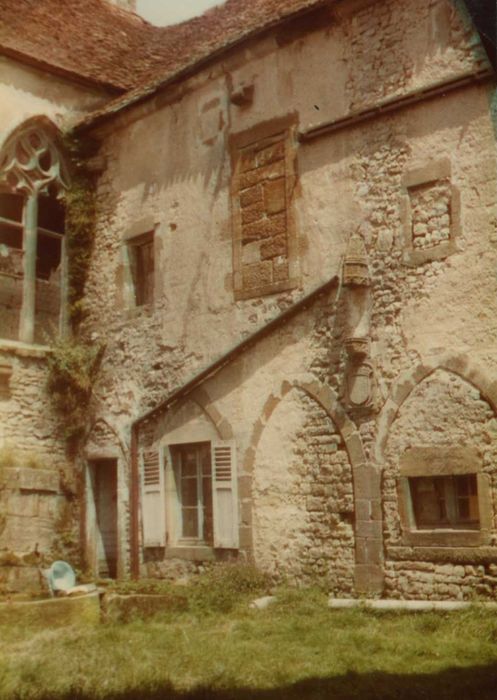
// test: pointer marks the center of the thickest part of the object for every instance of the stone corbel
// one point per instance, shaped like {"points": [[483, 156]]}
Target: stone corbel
{"points": [[359, 371]]}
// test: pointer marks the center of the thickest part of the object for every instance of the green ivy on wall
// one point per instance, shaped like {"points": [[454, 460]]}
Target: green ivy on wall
{"points": [[74, 361]]}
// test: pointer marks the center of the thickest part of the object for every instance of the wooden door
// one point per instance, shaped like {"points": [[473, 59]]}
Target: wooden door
{"points": [[105, 480]]}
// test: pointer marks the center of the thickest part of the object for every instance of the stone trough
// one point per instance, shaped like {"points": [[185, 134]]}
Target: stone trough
{"points": [[52, 612]]}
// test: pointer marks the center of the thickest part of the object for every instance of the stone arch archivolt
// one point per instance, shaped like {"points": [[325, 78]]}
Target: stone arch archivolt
{"points": [[200, 398], [459, 364], [32, 157], [103, 438], [365, 480], [222, 425], [302, 491], [328, 400]]}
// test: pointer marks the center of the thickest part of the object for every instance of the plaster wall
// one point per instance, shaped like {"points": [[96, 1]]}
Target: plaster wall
{"points": [[27, 92]]}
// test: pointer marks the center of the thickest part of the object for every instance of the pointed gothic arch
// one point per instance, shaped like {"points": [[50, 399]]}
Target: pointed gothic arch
{"points": [[365, 478], [33, 175]]}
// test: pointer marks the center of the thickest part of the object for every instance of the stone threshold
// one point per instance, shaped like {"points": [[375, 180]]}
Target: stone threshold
{"points": [[387, 605]]}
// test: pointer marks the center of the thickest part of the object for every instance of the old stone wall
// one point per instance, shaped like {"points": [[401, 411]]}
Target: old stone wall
{"points": [[303, 503], [444, 412], [417, 185], [38, 505]]}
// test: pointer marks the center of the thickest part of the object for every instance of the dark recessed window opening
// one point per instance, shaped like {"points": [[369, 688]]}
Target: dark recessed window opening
{"points": [[141, 257], [449, 502], [51, 213], [51, 219]]}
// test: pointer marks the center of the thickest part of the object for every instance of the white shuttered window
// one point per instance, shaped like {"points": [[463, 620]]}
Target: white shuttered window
{"points": [[153, 499], [206, 505], [224, 495]]}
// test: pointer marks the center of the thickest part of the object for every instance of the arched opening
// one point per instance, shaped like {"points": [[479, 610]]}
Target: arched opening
{"points": [[303, 499], [33, 177]]}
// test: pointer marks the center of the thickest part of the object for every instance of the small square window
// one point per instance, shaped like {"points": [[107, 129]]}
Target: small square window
{"points": [[449, 502], [141, 261]]}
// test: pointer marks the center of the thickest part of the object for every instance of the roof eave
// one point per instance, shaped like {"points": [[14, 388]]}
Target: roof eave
{"points": [[47, 67], [89, 122]]}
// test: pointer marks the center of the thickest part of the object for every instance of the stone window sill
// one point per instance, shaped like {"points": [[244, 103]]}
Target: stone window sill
{"points": [[273, 288], [16, 347], [446, 538], [191, 553]]}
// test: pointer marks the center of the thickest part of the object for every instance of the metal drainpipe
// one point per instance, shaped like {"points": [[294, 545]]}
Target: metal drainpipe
{"points": [[134, 502]]}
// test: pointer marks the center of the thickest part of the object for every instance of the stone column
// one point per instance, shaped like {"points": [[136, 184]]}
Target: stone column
{"points": [[359, 396], [27, 321]]}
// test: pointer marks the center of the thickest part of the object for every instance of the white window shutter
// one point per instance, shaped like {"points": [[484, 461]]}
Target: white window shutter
{"points": [[224, 495], [153, 499]]}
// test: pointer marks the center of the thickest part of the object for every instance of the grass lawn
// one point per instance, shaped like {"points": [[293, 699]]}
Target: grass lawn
{"points": [[297, 648]]}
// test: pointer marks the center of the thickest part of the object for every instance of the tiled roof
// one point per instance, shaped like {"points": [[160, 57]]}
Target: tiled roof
{"points": [[90, 39], [180, 48], [100, 42]]}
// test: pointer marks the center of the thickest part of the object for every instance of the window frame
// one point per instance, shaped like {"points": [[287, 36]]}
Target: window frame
{"points": [[443, 461], [159, 495], [177, 452], [33, 167], [29, 336], [431, 174], [132, 243], [260, 137]]}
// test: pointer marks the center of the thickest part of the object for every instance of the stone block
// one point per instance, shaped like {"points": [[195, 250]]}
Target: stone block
{"points": [[245, 537], [367, 482], [246, 514], [270, 226], [369, 528], [28, 479], [252, 213], [256, 231], [368, 579], [257, 274], [361, 550], [251, 196], [275, 196], [363, 509], [269, 172], [314, 504], [244, 487], [247, 161], [251, 253], [271, 154], [355, 449], [274, 247], [374, 551]]}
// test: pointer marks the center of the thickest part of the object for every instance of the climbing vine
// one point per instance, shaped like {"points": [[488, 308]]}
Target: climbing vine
{"points": [[74, 361], [80, 228]]}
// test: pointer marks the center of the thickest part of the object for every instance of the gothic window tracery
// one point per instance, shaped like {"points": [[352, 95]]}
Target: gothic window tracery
{"points": [[33, 176]]}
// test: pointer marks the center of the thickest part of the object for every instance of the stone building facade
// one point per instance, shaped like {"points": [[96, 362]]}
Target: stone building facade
{"points": [[293, 274]]}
